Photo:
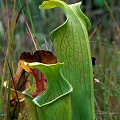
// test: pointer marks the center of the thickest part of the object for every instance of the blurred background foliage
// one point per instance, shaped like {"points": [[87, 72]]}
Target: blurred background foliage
{"points": [[105, 44]]}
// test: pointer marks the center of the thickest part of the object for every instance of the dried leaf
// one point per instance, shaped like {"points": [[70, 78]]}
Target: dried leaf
{"points": [[20, 79], [41, 56]]}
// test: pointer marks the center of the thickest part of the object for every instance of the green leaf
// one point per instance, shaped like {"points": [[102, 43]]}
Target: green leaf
{"points": [[29, 105], [54, 103], [72, 47], [74, 7]]}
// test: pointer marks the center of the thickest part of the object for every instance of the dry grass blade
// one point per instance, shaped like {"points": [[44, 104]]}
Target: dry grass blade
{"points": [[32, 36], [94, 31], [19, 14], [13, 80], [117, 26]]}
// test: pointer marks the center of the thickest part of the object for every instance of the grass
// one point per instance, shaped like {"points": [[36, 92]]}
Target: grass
{"points": [[107, 91], [104, 46]]}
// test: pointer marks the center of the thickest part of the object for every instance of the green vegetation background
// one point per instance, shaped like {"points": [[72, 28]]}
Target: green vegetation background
{"points": [[105, 44]]}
